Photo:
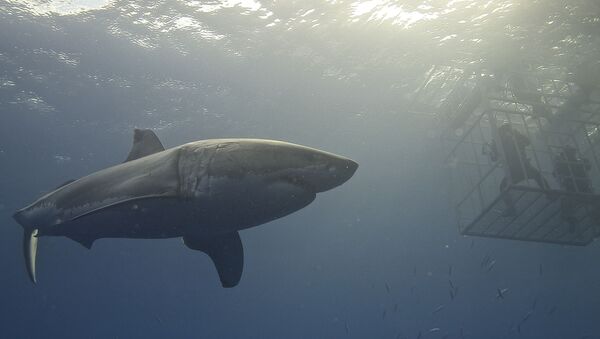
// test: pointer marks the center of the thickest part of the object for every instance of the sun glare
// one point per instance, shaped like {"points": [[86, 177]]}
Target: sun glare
{"points": [[250, 5], [385, 10], [62, 7]]}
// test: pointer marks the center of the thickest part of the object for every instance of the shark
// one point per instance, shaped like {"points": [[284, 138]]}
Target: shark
{"points": [[204, 192]]}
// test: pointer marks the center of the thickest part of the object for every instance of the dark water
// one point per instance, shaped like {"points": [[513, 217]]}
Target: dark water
{"points": [[378, 257]]}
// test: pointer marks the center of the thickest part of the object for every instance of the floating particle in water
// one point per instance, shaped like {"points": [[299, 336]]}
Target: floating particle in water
{"points": [[526, 317], [500, 292], [491, 265], [437, 309], [158, 319], [486, 260], [61, 159]]}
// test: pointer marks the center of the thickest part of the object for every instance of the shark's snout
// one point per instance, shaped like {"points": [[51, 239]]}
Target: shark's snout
{"points": [[333, 171]]}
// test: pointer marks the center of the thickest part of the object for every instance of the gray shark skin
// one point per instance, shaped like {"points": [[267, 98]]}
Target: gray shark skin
{"points": [[203, 191]]}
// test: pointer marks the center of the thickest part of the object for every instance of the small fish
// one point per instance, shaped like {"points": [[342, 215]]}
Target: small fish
{"points": [[452, 295], [387, 287], [541, 271], [383, 315], [491, 265], [449, 270], [346, 327], [158, 319], [485, 260], [437, 309], [414, 270], [435, 329], [395, 307], [526, 317], [534, 304], [472, 243], [451, 284], [501, 292], [419, 335], [462, 332], [552, 310]]}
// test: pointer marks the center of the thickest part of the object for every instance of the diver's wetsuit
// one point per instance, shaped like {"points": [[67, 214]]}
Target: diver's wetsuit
{"points": [[572, 174], [518, 166]]}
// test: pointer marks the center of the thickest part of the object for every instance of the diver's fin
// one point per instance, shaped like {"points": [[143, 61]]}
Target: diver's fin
{"points": [[30, 242], [145, 142], [226, 252], [85, 240]]}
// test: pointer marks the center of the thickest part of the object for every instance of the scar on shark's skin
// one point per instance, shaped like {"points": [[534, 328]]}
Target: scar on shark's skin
{"points": [[203, 191]]}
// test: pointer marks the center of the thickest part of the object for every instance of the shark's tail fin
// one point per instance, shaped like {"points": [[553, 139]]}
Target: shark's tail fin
{"points": [[30, 242]]}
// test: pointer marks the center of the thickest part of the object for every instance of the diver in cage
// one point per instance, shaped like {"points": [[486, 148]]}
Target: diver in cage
{"points": [[572, 173], [518, 166]]}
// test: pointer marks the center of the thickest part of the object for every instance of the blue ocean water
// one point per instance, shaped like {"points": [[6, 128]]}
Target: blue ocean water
{"points": [[378, 257]]}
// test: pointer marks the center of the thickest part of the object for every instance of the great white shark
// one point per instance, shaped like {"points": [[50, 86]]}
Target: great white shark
{"points": [[204, 191]]}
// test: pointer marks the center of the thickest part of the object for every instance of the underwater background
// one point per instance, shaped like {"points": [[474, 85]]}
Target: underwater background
{"points": [[378, 257]]}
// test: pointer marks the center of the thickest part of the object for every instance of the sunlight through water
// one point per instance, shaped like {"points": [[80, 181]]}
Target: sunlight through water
{"points": [[250, 5], [62, 7], [382, 10]]}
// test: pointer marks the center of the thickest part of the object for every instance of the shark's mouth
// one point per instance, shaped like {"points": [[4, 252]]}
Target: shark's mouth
{"points": [[299, 181]]}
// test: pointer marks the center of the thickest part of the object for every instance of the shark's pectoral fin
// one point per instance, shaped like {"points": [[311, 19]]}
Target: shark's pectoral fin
{"points": [[145, 142], [30, 242], [226, 252], [85, 240]]}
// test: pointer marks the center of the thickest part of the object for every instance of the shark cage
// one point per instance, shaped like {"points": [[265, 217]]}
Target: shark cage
{"points": [[523, 153]]}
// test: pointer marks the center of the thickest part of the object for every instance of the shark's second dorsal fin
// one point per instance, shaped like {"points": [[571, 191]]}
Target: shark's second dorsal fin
{"points": [[145, 142], [85, 240]]}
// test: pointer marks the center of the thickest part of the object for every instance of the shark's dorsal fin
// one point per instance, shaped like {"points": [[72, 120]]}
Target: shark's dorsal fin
{"points": [[226, 252], [145, 142]]}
